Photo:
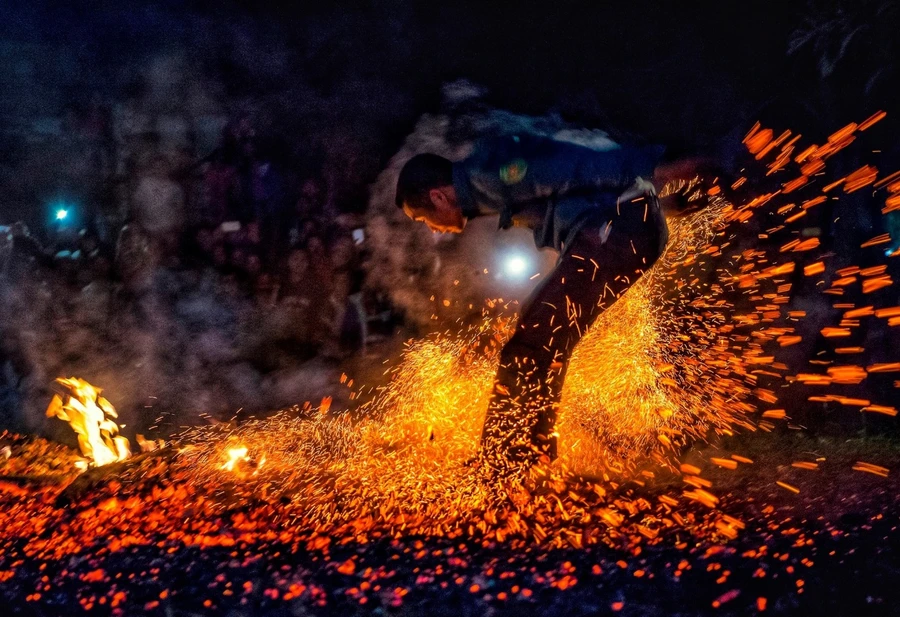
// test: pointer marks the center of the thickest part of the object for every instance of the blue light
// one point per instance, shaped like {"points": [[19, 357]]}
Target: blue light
{"points": [[61, 214]]}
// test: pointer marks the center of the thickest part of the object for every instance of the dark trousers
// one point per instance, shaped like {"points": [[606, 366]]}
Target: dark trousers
{"points": [[609, 253]]}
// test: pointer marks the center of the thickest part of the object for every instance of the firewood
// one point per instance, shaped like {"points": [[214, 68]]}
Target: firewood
{"points": [[97, 476]]}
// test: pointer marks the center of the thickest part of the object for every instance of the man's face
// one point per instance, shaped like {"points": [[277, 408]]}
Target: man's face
{"points": [[445, 217]]}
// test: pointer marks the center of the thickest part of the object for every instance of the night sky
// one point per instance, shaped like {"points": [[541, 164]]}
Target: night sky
{"points": [[686, 74]]}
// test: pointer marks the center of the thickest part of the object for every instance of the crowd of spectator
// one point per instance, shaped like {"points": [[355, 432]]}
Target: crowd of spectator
{"points": [[234, 220]]}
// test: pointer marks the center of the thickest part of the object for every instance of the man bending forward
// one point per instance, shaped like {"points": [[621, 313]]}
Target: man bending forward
{"points": [[596, 208]]}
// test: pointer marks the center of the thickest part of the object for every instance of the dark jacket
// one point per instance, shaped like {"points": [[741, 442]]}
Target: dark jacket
{"points": [[551, 187]]}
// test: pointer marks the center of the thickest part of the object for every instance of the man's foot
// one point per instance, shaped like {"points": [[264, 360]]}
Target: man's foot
{"points": [[512, 464]]}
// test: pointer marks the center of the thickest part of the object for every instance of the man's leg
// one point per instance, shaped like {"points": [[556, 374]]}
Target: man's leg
{"points": [[603, 261]]}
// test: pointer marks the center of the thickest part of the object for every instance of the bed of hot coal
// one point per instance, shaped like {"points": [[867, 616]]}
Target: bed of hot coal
{"points": [[139, 537]]}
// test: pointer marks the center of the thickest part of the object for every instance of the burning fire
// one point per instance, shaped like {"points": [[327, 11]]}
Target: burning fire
{"points": [[90, 416], [640, 385], [241, 463], [235, 456]]}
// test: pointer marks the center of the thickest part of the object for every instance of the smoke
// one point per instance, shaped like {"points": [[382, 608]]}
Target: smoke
{"points": [[438, 278], [191, 349]]}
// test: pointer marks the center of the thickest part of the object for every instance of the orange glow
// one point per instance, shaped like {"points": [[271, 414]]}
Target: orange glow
{"points": [[849, 350], [814, 202], [758, 140], [860, 178], [882, 239], [876, 117], [843, 133], [893, 311], [876, 283], [795, 184], [91, 417], [788, 487], [813, 269], [860, 312], [887, 367], [877, 470], [235, 456], [882, 409]]}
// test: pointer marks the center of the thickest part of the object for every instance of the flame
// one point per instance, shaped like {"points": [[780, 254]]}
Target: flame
{"points": [[241, 463], [90, 416], [235, 457]]}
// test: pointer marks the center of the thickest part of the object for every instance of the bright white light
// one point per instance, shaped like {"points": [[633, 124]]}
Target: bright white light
{"points": [[61, 214], [515, 266]]}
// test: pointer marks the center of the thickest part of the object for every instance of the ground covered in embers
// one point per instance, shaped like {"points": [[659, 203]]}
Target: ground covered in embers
{"points": [[145, 536]]}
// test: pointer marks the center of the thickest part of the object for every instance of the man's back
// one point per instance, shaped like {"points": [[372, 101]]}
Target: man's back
{"points": [[546, 185]]}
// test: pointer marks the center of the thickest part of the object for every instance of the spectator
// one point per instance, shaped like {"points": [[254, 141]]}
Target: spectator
{"points": [[297, 285], [254, 233], [219, 256], [96, 126], [220, 188], [266, 290], [267, 195], [23, 252], [93, 305], [343, 253], [158, 207], [88, 244], [347, 315], [199, 250], [253, 265], [300, 224], [320, 264], [311, 199], [88, 250], [238, 259], [301, 303], [302, 231], [134, 259]]}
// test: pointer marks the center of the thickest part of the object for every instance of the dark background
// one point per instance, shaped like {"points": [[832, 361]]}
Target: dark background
{"points": [[692, 75]]}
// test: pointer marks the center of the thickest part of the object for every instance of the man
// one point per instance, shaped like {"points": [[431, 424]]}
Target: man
{"points": [[596, 208]]}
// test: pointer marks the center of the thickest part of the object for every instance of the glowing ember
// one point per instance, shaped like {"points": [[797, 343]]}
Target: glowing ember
{"points": [[91, 417], [235, 456]]}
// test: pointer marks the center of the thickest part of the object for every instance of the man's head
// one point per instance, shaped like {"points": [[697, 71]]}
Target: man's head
{"points": [[425, 193]]}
